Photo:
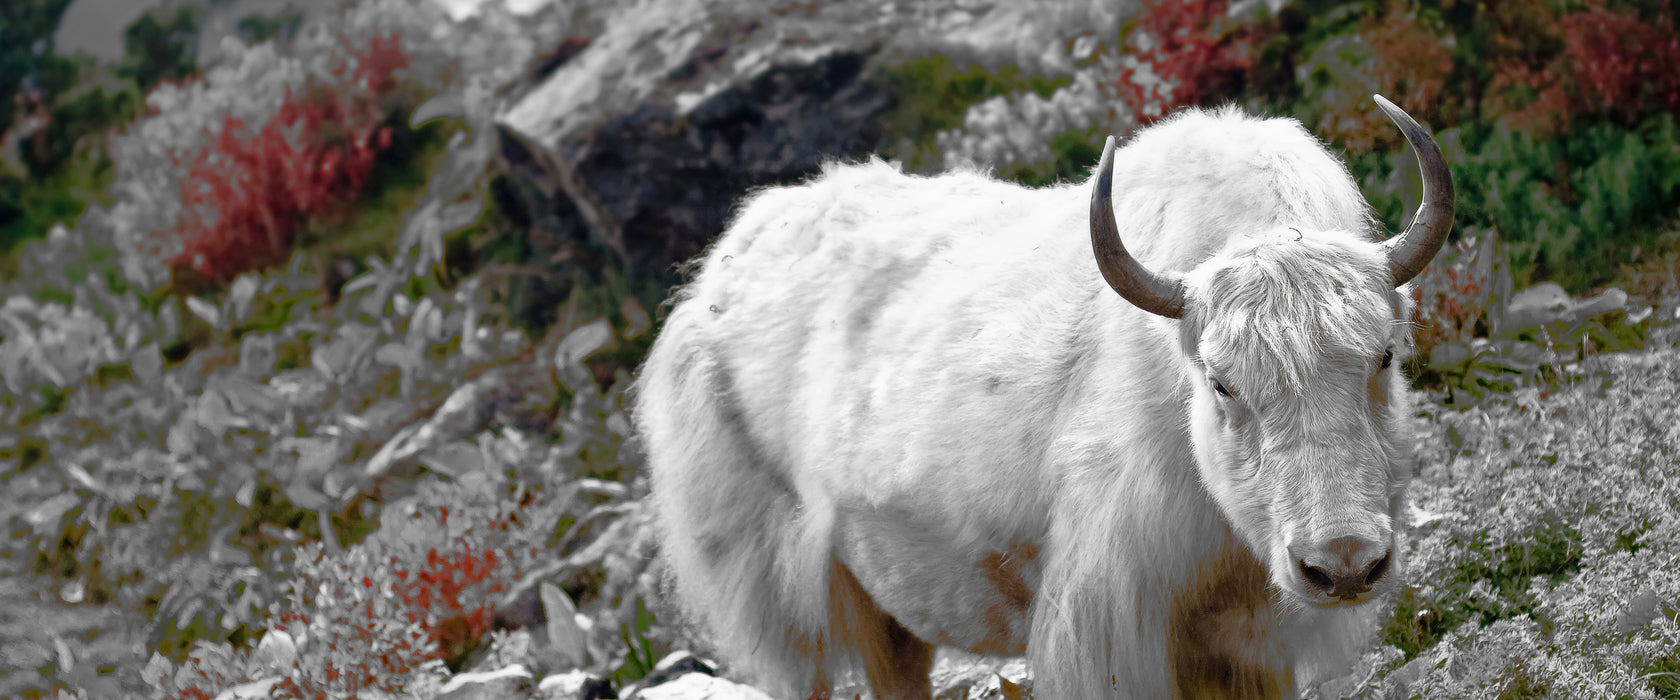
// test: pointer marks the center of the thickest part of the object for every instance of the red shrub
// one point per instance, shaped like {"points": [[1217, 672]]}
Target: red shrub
{"points": [[1622, 64], [1614, 64], [1415, 64], [1452, 293], [1186, 55], [447, 594], [435, 592], [247, 192], [1392, 55], [1545, 107], [378, 615]]}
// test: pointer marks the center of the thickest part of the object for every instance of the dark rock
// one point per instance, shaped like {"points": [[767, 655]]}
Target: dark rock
{"points": [[520, 611], [671, 195], [598, 689], [638, 148], [576, 685], [631, 153]]}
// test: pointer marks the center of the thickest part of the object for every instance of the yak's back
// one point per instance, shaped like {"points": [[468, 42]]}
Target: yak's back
{"points": [[870, 228], [859, 234]]}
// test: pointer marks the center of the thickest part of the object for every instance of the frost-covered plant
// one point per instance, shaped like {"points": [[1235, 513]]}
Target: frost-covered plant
{"points": [[1613, 64], [1175, 53], [435, 567], [383, 613], [1546, 528], [1017, 130], [250, 177], [51, 342], [145, 478], [1394, 55]]}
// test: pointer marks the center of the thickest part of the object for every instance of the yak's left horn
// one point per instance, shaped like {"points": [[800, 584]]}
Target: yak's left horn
{"points": [[1161, 294], [1410, 252]]}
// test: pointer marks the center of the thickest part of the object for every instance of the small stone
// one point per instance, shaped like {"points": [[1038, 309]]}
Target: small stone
{"points": [[567, 643], [511, 683], [699, 686], [575, 685]]}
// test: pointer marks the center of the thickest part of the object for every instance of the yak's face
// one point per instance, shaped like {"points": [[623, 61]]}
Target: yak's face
{"points": [[1294, 342]]}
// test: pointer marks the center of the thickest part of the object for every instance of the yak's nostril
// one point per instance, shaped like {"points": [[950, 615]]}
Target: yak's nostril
{"points": [[1318, 578], [1343, 581], [1346, 567], [1378, 569]]}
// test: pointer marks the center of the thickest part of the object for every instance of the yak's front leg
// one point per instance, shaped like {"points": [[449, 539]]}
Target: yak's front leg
{"points": [[896, 662], [1102, 624]]}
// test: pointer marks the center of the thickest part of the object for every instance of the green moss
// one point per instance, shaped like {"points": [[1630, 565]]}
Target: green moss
{"points": [[1073, 152], [51, 403], [933, 94], [273, 312], [257, 28], [643, 652], [290, 356], [373, 224], [1552, 550], [1664, 674], [1521, 684], [29, 452]]}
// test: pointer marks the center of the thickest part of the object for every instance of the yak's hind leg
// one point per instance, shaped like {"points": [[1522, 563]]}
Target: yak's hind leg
{"points": [[747, 559], [751, 561], [896, 662]]}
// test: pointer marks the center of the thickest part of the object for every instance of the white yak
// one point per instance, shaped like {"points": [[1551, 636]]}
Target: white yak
{"points": [[895, 412]]}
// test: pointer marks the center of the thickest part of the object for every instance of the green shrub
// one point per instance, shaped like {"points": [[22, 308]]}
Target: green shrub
{"points": [[161, 49], [65, 164], [1571, 208], [26, 52]]}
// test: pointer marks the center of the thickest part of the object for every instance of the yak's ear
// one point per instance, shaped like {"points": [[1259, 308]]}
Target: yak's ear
{"points": [[1403, 304], [1190, 326]]}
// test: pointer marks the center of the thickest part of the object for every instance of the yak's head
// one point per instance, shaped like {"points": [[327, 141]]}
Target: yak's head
{"points": [[1293, 340]]}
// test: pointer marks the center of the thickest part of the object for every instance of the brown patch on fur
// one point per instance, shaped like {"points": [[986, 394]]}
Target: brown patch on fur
{"points": [[896, 662], [1215, 630], [1004, 571], [1377, 388]]}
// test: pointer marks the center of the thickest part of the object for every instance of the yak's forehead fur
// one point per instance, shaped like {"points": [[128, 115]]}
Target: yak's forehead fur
{"points": [[1275, 310]]}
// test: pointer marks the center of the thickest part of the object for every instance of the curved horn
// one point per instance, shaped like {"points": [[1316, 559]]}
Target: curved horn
{"points": [[1161, 294], [1410, 252]]}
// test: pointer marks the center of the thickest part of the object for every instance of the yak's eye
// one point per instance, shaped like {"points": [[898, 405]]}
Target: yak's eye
{"points": [[1388, 358], [1221, 389]]}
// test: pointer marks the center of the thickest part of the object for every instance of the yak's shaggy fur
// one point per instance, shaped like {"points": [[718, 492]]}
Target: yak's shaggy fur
{"points": [[894, 412]]}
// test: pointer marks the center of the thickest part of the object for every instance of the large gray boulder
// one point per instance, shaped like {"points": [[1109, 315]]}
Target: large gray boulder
{"points": [[639, 145], [644, 140]]}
